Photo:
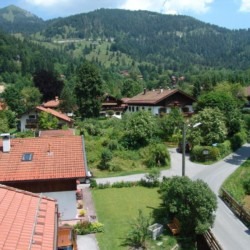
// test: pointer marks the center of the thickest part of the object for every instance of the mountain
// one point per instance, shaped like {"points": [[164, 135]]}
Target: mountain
{"points": [[150, 46], [16, 20], [173, 41]]}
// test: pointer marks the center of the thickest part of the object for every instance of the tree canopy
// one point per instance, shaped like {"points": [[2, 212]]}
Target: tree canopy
{"points": [[139, 129], [212, 130], [193, 203], [48, 83], [88, 90]]}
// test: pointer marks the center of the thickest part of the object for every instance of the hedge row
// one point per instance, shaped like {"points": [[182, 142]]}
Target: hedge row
{"points": [[122, 184], [214, 153]]}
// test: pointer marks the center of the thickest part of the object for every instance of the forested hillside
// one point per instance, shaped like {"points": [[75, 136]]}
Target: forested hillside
{"points": [[132, 48], [16, 20], [174, 41]]}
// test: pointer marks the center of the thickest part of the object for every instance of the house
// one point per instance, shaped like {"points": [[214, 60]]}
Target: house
{"points": [[29, 120], [53, 104], [160, 101], [28, 220], [112, 105], [43, 164]]}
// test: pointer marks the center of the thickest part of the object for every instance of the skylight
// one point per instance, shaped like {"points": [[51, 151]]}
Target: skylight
{"points": [[27, 156]]}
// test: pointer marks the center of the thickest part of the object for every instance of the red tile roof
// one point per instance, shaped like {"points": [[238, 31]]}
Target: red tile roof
{"points": [[59, 132], [53, 158], [153, 96], [52, 103], [27, 220], [55, 113]]}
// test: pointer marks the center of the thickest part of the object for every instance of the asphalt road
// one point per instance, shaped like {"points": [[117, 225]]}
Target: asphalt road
{"points": [[229, 231]]}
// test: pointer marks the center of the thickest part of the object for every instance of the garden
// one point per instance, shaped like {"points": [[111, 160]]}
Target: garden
{"points": [[120, 208]]}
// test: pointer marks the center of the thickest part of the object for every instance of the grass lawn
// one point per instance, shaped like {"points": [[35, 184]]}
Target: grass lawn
{"points": [[234, 184], [116, 207]]}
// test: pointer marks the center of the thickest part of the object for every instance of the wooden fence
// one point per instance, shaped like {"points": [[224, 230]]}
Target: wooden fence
{"points": [[236, 207], [211, 241]]}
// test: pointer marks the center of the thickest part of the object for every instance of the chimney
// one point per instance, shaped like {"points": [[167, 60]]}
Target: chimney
{"points": [[6, 142], [56, 98], [144, 91]]}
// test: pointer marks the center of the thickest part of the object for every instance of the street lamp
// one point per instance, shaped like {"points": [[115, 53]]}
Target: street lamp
{"points": [[184, 131]]}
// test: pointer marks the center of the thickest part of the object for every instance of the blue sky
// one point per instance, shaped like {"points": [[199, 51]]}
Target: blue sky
{"points": [[232, 14]]}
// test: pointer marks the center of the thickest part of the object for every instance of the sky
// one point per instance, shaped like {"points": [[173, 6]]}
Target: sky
{"points": [[231, 14]]}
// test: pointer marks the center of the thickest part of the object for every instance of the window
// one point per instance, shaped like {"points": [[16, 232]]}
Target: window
{"points": [[27, 157]]}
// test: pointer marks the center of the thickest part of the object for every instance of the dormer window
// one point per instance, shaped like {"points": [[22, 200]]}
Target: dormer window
{"points": [[27, 157]]}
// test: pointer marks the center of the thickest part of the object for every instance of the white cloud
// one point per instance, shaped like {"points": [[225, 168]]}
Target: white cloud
{"points": [[47, 3], [245, 6], [169, 6], [179, 6]]}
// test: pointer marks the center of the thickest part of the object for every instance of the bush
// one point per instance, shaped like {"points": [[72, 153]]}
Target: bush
{"points": [[93, 183], [238, 140], [111, 144], [246, 185], [82, 213], [86, 227], [225, 148], [198, 153], [106, 157], [157, 155]]}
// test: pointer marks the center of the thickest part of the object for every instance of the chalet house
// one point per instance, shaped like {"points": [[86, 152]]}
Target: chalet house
{"points": [[29, 120], [43, 164], [28, 220], [52, 104], [114, 105], [161, 101]]}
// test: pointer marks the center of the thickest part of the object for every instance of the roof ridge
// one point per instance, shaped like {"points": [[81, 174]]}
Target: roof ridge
{"points": [[27, 192]]}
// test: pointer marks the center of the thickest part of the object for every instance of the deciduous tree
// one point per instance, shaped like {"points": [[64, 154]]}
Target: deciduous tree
{"points": [[193, 203]]}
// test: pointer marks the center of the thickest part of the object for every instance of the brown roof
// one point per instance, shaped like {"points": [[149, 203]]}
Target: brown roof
{"points": [[55, 113], [59, 132], [153, 96], [27, 220], [247, 91], [52, 103], [3, 105], [52, 158]]}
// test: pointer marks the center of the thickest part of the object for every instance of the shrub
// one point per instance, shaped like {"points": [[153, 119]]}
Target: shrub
{"points": [[86, 227], [103, 185], [110, 113], [93, 183], [224, 148], [238, 139], [198, 153], [111, 144], [157, 155], [106, 157], [246, 185], [82, 213], [114, 167]]}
